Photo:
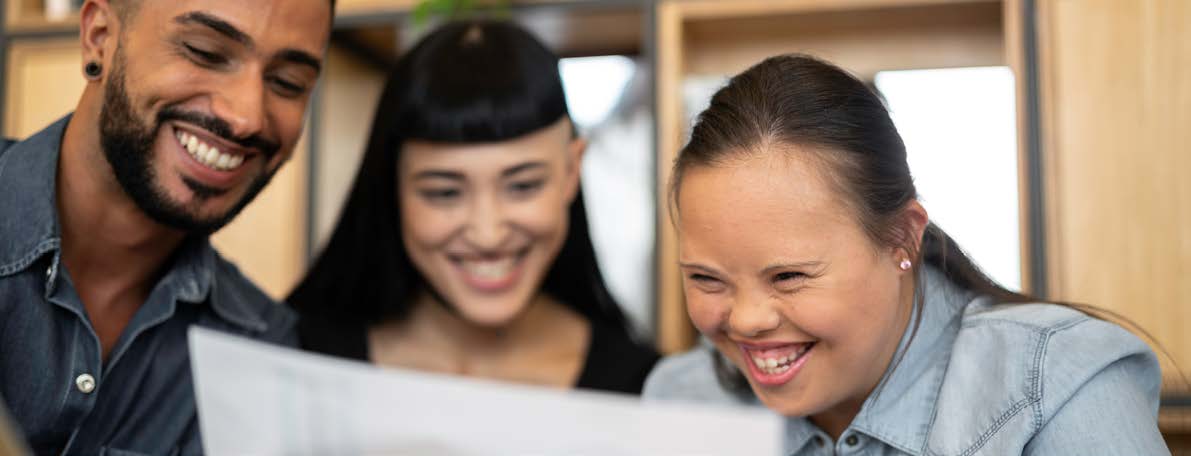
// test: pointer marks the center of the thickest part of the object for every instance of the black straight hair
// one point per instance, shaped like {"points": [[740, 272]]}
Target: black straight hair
{"points": [[465, 82]]}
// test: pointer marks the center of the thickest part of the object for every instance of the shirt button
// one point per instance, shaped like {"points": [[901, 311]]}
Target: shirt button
{"points": [[852, 440], [49, 272], [85, 383]]}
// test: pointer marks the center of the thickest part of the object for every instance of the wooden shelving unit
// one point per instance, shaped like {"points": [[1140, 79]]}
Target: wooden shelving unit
{"points": [[1090, 170], [29, 16]]}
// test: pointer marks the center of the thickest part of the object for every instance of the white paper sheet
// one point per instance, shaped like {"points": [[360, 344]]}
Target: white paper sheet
{"points": [[260, 399]]}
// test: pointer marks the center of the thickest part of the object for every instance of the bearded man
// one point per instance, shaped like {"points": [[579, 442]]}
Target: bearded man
{"points": [[190, 108]]}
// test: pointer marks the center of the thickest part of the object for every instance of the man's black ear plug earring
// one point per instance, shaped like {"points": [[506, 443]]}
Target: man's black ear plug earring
{"points": [[92, 70]]}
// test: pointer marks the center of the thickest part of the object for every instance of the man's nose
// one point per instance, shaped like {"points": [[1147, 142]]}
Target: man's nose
{"points": [[241, 103]]}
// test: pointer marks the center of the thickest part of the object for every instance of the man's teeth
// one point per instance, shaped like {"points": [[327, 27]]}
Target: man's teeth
{"points": [[489, 269], [208, 155], [773, 366]]}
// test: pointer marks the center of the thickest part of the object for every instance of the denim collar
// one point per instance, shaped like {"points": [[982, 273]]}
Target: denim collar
{"points": [[28, 171], [901, 410], [29, 228]]}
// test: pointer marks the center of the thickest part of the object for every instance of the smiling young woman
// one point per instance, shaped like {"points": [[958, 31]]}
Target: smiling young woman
{"points": [[463, 247], [831, 299]]}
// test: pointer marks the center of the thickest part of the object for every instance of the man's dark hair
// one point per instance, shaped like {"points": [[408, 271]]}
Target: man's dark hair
{"points": [[126, 8]]}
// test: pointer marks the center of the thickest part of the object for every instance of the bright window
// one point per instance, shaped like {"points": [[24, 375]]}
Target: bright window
{"points": [[960, 132]]}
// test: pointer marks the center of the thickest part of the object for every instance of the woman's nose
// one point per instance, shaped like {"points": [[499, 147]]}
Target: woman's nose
{"points": [[487, 225], [753, 315]]}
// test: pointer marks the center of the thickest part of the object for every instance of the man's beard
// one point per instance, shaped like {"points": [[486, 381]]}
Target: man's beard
{"points": [[128, 148]]}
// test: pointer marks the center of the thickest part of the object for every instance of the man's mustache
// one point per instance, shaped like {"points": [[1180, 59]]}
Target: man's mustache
{"points": [[220, 128]]}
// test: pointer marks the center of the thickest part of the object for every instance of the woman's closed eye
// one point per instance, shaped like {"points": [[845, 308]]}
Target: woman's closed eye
{"points": [[788, 280], [440, 195], [706, 283], [525, 188]]}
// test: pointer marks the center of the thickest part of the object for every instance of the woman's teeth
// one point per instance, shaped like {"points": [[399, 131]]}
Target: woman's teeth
{"points": [[489, 269], [208, 155], [774, 366]]}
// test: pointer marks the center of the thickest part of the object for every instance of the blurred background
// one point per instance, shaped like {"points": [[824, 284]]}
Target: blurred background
{"points": [[1049, 137]]}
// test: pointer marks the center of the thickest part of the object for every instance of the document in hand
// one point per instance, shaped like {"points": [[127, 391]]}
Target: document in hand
{"points": [[259, 399]]}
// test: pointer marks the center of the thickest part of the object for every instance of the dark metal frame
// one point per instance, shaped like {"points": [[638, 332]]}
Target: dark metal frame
{"points": [[1036, 218], [649, 54]]}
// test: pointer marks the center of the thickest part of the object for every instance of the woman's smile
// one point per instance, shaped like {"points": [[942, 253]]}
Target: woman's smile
{"points": [[490, 273], [775, 364]]}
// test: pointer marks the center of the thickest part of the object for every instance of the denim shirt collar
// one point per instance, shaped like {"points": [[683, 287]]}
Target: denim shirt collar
{"points": [[28, 198], [901, 410], [28, 172]]}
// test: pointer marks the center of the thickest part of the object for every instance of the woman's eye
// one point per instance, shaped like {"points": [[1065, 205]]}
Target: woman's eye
{"points": [[786, 276], [439, 195], [205, 57], [706, 282], [789, 281], [525, 187]]}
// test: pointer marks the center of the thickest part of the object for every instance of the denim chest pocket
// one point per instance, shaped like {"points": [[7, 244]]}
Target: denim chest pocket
{"points": [[986, 404]]}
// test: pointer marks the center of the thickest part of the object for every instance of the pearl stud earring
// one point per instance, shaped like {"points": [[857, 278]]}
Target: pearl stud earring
{"points": [[905, 264]]}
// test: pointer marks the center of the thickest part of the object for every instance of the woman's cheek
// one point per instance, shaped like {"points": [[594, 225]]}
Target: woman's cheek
{"points": [[425, 224], [543, 215], [706, 313]]}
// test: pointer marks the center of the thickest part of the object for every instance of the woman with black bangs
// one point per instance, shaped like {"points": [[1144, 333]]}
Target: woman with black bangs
{"points": [[463, 247]]}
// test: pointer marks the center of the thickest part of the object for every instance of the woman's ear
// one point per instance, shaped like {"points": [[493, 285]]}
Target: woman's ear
{"points": [[98, 27], [913, 221], [575, 150]]}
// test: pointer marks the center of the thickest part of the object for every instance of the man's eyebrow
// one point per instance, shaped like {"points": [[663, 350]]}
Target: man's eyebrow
{"points": [[301, 58], [216, 24], [226, 29]]}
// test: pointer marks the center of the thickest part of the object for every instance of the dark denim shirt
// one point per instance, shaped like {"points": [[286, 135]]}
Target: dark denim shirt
{"points": [[61, 393]]}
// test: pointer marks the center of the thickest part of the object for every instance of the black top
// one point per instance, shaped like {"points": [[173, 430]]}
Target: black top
{"points": [[614, 361]]}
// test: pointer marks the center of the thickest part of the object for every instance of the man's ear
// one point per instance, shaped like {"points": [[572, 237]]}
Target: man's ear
{"points": [[575, 150], [98, 28]]}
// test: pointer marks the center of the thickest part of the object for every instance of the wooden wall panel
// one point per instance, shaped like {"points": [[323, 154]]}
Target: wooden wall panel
{"points": [[350, 92], [863, 41], [267, 241], [674, 330], [1117, 106], [44, 81]]}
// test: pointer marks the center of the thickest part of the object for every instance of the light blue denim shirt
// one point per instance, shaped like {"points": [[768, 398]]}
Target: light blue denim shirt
{"points": [[980, 379], [62, 394]]}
